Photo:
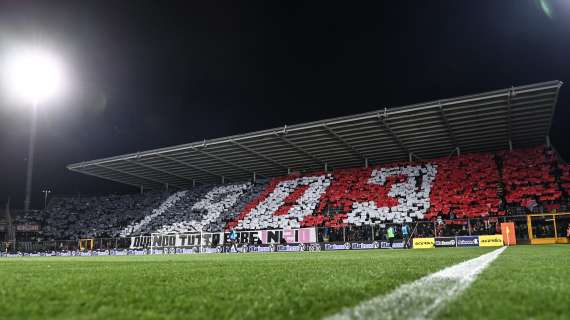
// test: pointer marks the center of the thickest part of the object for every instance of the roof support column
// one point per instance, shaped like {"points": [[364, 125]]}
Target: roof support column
{"points": [[548, 141], [458, 151], [166, 187], [326, 167], [193, 183], [288, 171], [254, 177], [223, 179], [142, 189], [510, 145], [365, 162], [410, 155]]}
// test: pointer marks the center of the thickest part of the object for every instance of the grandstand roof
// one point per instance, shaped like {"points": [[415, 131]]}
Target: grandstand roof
{"points": [[481, 122]]}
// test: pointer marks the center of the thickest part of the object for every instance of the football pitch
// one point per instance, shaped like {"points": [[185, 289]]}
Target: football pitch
{"points": [[523, 282]]}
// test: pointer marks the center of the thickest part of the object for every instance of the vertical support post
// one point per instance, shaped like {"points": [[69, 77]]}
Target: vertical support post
{"points": [[410, 156], [555, 227], [510, 145], [326, 167], [223, 179], [166, 186], [201, 240], [343, 234], [365, 162], [31, 152], [142, 189], [458, 151], [529, 227], [469, 225], [548, 141], [288, 171], [254, 177], [193, 183]]}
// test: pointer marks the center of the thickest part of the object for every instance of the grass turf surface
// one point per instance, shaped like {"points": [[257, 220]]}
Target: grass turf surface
{"points": [[305, 285], [525, 282]]}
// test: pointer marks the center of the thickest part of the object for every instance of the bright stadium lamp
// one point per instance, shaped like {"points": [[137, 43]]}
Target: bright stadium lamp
{"points": [[32, 76]]}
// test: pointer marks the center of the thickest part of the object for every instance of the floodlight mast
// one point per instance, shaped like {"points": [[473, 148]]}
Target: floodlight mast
{"points": [[34, 76], [31, 153]]}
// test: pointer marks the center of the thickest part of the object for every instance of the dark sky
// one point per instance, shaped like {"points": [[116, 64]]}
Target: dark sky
{"points": [[147, 74]]}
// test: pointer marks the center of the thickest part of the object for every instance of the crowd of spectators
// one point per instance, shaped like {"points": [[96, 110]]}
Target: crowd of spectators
{"points": [[446, 193], [96, 216]]}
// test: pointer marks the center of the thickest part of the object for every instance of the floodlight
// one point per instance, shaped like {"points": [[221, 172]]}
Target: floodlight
{"points": [[33, 75]]}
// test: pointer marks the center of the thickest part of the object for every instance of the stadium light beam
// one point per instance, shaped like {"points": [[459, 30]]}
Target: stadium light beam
{"points": [[33, 75]]}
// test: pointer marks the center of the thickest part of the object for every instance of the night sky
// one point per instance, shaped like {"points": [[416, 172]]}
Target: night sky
{"points": [[148, 74]]}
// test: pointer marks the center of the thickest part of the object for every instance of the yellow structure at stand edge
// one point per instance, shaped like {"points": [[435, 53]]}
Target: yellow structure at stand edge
{"points": [[548, 240]]}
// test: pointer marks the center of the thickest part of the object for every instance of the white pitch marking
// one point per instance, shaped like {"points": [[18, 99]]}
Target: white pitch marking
{"points": [[422, 298]]}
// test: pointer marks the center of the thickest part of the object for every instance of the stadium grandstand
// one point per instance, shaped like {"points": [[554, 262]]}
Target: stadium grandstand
{"points": [[274, 160], [453, 167]]}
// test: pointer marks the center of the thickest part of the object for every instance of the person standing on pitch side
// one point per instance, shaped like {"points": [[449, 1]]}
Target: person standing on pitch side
{"points": [[233, 240], [390, 233], [405, 235]]}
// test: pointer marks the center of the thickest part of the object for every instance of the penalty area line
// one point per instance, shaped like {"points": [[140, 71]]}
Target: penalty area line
{"points": [[423, 298]]}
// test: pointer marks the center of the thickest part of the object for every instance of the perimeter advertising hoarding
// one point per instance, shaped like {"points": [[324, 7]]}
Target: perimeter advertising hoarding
{"points": [[491, 241], [467, 241], [365, 245], [336, 246], [290, 247], [395, 245], [263, 248], [445, 242], [423, 243]]}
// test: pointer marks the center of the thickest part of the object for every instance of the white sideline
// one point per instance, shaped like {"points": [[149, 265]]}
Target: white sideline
{"points": [[422, 298]]}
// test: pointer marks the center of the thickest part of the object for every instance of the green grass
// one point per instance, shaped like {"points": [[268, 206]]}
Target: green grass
{"points": [[305, 285], [524, 282]]}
